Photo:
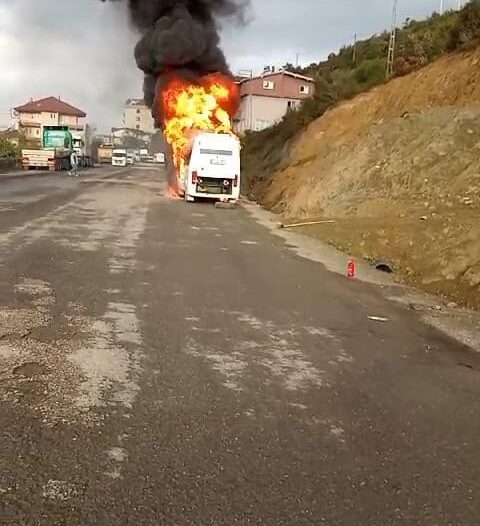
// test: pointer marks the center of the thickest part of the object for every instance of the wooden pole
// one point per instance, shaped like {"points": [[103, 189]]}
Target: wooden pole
{"points": [[307, 223]]}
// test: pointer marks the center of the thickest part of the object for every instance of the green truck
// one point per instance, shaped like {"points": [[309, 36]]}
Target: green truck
{"points": [[54, 153]]}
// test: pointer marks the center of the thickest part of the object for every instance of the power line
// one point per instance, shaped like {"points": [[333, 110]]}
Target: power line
{"points": [[392, 43]]}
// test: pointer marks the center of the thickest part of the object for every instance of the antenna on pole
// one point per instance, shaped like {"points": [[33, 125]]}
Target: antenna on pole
{"points": [[392, 43]]}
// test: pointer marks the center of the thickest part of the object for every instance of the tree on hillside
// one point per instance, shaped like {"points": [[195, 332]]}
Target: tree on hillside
{"points": [[8, 150], [293, 69], [467, 28], [371, 72]]}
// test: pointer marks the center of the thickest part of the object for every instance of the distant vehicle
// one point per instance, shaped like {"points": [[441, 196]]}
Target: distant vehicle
{"points": [[159, 158], [82, 150], [136, 154], [104, 153], [213, 168], [54, 152], [119, 157], [142, 153], [130, 158]]}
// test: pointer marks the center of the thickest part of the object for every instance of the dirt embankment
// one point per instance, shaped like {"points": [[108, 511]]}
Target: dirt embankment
{"points": [[398, 168]]}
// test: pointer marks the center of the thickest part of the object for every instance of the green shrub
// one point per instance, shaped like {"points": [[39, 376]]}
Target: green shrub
{"points": [[371, 72], [8, 150], [467, 27]]}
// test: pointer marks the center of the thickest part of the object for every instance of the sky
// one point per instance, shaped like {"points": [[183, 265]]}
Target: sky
{"points": [[82, 50]]}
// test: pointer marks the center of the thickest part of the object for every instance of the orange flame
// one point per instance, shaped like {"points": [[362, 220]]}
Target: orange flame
{"points": [[208, 105]]}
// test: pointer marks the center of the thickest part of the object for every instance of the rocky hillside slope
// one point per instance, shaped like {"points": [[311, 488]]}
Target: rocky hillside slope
{"points": [[398, 168]]}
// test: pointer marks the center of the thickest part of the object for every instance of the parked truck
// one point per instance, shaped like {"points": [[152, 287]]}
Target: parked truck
{"points": [[54, 152], [144, 156], [83, 151], [104, 153]]}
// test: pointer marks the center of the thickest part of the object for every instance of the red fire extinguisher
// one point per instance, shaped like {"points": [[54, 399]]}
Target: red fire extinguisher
{"points": [[351, 268]]}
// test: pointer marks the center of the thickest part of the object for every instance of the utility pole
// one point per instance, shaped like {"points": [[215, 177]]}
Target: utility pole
{"points": [[392, 43], [248, 74], [297, 60], [250, 103], [441, 7], [354, 56]]}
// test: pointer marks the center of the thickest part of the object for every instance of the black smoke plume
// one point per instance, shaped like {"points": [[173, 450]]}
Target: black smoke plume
{"points": [[179, 37]]}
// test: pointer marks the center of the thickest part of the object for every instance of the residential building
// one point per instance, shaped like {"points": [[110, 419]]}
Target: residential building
{"points": [[51, 111], [103, 138], [138, 116], [265, 99]]}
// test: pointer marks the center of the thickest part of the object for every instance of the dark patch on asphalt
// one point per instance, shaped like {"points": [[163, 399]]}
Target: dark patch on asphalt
{"points": [[30, 370]]}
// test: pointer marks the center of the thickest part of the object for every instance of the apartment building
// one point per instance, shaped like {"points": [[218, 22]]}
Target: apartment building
{"points": [[138, 116]]}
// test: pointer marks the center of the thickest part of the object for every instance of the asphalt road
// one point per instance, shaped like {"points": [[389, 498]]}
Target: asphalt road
{"points": [[172, 364]]}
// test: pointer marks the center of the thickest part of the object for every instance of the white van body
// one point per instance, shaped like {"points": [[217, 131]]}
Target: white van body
{"points": [[130, 158], [213, 168], [119, 157]]}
